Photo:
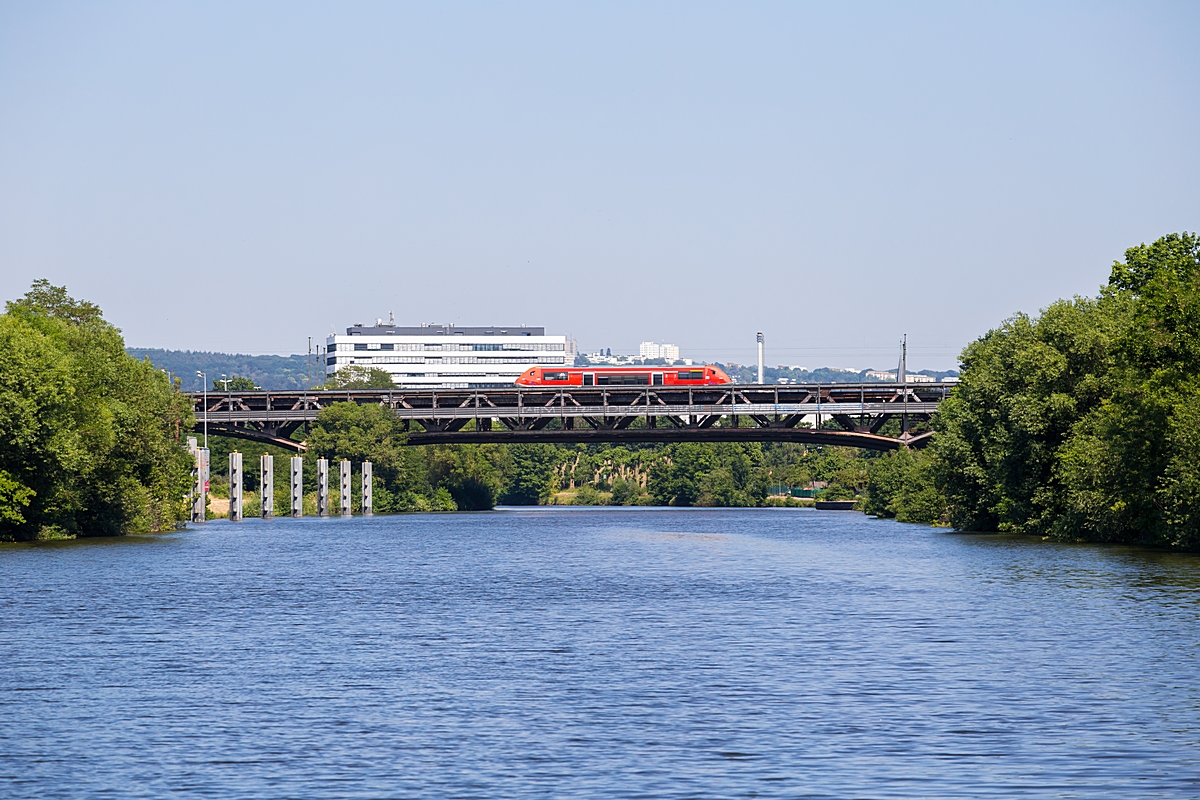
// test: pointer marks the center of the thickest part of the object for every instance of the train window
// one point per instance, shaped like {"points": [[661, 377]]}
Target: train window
{"points": [[691, 375], [623, 379], [658, 379], [555, 376], [589, 379]]}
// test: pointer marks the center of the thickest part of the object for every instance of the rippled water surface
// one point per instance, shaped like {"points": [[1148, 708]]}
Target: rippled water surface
{"points": [[587, 653]]}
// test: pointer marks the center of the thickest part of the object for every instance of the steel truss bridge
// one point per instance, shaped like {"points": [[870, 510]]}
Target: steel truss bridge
{"points": [[726, 413]]}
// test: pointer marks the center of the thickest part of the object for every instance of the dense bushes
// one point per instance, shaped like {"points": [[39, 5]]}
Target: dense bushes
{"points": [[89, 437], [900, 485]]}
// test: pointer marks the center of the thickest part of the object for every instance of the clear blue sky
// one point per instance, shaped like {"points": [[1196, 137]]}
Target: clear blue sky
{"points": [[239, 176]]}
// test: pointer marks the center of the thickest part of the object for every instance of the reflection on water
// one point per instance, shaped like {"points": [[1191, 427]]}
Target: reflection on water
{"points": [[551, 652]]}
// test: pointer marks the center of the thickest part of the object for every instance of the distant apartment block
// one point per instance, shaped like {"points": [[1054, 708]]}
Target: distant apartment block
{"points": [[667, 352], [445, 356]]}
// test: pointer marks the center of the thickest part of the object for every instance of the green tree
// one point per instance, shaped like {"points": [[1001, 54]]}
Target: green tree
{"points": [[1128, 472], [235, 383], [1024, 387], [675, 478], [89, 437], [628, 493], [1080, 424], [532, 478], [15, 497], [473, 475], [358, 377], [900, 485], [370, 432], [723, 474], [367, 432]]}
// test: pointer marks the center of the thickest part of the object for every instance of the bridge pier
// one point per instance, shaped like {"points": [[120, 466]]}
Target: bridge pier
{"points": [[322, 487], [235, 486], [297, 497], [191, 492], [200, 497], [367, 501], [266, 485], [344, 474]]}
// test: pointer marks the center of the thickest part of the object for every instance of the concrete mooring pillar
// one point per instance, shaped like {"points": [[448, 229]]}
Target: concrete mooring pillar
{"points": [[191, 492], [235, 486], [200, 495], [322, 487], [266, 466], [367, 502], [297, 486], [345, 487]]}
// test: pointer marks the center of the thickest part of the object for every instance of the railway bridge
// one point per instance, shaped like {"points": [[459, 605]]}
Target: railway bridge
{"points": [[723, 413]]}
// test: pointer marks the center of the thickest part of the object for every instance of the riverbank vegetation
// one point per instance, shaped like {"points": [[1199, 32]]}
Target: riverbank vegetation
{"points": [[89, 436], [1080, 424], [475, 477]]}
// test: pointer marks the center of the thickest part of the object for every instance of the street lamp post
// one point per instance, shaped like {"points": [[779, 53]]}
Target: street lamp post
{"points": [[204, 382]]}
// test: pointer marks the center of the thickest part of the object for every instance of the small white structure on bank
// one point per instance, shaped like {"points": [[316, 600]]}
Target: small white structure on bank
{"points": [[890, 375], [445, 356]]}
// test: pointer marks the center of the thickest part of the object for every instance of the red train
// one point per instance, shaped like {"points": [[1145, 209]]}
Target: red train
{"points": [[702, 375]]}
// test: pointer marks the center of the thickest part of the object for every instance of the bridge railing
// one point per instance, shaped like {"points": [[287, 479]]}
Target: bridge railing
{"points": [[553, 412]]}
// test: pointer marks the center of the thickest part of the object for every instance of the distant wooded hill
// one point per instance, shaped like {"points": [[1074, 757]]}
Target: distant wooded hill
{"points": [[292, 372], [269, 372], [743, 373]]}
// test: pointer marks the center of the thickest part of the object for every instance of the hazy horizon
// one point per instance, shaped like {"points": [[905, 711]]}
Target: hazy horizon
{"points": [[236, 178]]}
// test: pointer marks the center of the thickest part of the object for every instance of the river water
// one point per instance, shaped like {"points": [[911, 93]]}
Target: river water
{"points": [[597, 653]]}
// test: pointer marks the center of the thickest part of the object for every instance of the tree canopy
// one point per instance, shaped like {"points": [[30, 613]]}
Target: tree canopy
{"points": [[89, 437], [234, 383], [1082, 423], [355, 376]]}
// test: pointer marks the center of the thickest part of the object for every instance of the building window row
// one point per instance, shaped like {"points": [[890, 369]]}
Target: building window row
{"points": [[340, 347], [334, 361], [486, 360], [457, 375]]}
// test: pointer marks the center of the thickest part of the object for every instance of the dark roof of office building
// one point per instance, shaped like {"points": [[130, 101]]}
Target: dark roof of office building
{"points": [[443, 330]]}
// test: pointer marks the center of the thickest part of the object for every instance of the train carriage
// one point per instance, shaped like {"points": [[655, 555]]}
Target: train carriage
{"points": [[703, 375]]}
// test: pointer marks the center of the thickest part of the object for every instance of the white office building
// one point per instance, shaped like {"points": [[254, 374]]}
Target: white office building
{"points": [[445, 356]]}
